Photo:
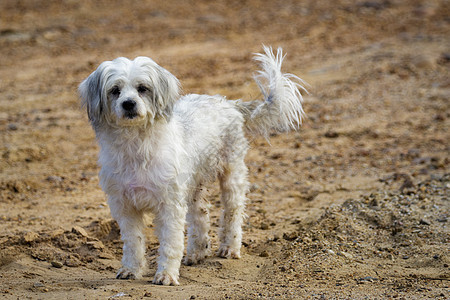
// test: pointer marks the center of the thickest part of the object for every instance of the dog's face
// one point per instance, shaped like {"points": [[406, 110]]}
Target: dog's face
{"points": [[127, 92]]}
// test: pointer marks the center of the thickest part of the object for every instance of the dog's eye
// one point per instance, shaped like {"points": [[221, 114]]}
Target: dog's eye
{"points": [[142, 89], [115, 91]]}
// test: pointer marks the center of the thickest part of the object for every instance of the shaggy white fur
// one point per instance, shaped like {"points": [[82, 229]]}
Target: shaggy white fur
{"points": [[158, 150]]}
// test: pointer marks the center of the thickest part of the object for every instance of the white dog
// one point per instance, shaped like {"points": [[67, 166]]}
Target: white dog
{"points": [[158, 150]]}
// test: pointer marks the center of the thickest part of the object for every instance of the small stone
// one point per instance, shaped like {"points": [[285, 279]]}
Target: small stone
{"points": [[423, 62], [444, 58], [56, 233], [424, 222], [105, 256], [254, 187], [366, 279], [71, 263], [260, 211], [79, 230], [264, 226], [30, 237], [95, 245], [344, 254], [38, 284], [264, 254], [147, 294], [290, 236], [331, 134], [57, 264], [54, 179], [12, 127], [317, 270]]}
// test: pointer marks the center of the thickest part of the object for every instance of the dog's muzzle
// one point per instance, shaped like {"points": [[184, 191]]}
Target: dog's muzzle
{"points": [[129, 107]]}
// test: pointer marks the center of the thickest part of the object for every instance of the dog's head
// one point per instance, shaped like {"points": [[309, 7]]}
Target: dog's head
{"points": [[125, 92]]}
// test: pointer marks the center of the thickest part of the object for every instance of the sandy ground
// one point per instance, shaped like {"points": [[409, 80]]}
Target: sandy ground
{"points": [[355, 205]]}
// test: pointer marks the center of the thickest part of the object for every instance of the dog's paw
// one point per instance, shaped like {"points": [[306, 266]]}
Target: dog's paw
{"points": [[195, 258], [228, 252], [125, 273], [164, 278]]}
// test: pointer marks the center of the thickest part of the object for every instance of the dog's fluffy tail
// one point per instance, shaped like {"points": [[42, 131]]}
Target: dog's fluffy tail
{"points": [[281, 109]]}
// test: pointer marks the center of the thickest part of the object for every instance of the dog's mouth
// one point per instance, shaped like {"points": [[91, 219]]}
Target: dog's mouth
{"points": [[130, 115]]}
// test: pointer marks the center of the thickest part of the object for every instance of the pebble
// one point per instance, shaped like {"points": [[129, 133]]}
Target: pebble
{"points": [[95, 245], [424, 222], [264, 254], [71, 263], [331, 134], [366, 279], [254, 187], [38, 284], [54, 179], [79, 230], [30, 237], [423, 62], [344, 254], [57, 264], [12, 127], [105, 256]]}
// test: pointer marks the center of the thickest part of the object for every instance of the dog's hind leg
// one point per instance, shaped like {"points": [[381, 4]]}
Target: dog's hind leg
{"points": [[233, 184], [131, 223], [199, 243]]}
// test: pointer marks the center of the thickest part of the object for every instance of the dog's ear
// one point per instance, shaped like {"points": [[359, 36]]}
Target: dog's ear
{"points": [[91, 94], [167, 92], [166, 87]]}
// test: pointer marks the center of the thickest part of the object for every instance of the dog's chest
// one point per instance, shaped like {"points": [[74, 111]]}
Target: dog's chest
{"points": [[143, 183]]}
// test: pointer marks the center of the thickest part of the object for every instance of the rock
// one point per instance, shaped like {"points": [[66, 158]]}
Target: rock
{"points": [[30, 237], [57, 264], [264, 254], [423, 62], [56, 233], [290, 236], [79, 230], [72, 263], [95, 245], [331, 134], [366, 279], [444, 58], [54, 179], [38, 284], [264, 226], [344, 254], [12, 127], [105, 256], [254, 187], [424, 222]]}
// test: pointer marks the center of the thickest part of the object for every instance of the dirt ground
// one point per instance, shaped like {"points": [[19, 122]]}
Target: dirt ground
{"points": [[354, 205]]}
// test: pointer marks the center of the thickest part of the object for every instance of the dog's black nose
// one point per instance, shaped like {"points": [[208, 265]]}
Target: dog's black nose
{"points": [[128, 105]]}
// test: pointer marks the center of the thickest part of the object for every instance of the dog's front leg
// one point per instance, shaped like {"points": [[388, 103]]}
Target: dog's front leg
{"points": [[169, 222], [131, 223]]}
